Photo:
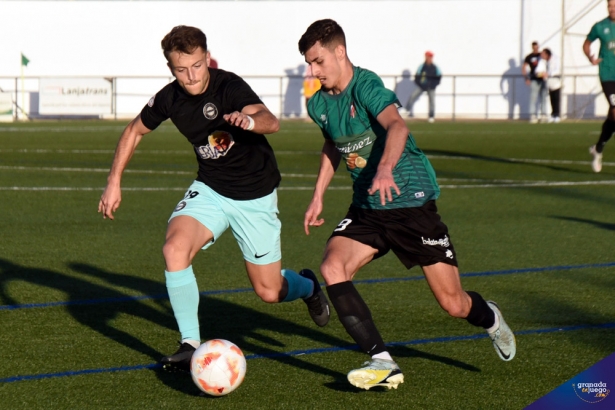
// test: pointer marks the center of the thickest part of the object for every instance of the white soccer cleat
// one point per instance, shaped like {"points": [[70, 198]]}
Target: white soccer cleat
{"points": [[376, 372], [503, 338], [431, 120], [533, 120], [597, 162]]}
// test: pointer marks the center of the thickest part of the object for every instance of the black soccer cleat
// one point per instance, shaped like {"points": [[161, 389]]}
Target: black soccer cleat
{"points": [[180, 360], [318, 305]]}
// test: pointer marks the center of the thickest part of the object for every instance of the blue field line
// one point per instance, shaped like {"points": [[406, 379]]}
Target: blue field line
{"points": [[304, 352], [242, 290]]}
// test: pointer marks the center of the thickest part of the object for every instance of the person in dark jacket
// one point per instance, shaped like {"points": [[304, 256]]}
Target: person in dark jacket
{"points": [[427, 78]]}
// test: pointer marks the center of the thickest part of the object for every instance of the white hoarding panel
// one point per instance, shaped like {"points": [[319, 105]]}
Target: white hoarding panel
{"points": [[74, 96], [6, 107]]}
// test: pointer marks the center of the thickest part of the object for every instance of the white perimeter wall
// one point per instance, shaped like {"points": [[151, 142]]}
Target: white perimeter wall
{"points": [[259, 38]]}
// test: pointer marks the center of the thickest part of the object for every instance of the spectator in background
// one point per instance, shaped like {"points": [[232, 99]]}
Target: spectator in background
{"points": [[427, 78], [213, 63], [549, 70], [538, 90], [311, 84]]}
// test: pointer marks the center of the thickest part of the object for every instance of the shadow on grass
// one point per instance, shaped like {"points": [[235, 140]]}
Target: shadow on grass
{"points": [[456, 154], [601, 225]]}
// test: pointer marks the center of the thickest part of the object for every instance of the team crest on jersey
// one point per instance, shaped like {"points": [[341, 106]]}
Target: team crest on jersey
{"points": [[150, 103], [606, 30], [353, 111], [220, 142], [210, 111], [323, 118]]}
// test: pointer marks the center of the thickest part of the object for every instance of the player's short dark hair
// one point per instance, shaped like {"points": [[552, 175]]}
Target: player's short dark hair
{"points": [[534, 43], [184, 39], [547, 51], [326, 31]]}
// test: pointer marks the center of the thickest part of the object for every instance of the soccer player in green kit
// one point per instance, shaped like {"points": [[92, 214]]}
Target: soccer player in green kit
{"points": [[604, 31], [393, 205]]}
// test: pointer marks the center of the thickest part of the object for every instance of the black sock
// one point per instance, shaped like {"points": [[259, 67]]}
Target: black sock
{"points": [[608, 128], [480, 312], [356, 317]]}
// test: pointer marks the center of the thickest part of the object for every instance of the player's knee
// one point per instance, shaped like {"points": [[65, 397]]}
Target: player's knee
{"points": [[172, 252], [332, 272], [268, 295], [455, 307]]}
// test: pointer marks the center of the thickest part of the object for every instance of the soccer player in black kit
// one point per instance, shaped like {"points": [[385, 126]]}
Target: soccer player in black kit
{"points": [[236, 184]]}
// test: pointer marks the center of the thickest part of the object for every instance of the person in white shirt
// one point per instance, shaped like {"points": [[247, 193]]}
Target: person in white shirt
{"points": [[548, 69]]}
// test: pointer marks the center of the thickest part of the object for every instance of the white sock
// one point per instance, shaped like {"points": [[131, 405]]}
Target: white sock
{"points": [[496, 323], [193, 343], [383, 355]]}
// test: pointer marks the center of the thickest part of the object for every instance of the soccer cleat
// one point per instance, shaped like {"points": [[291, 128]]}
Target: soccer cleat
{"points": [[431, 120], [533, 120], [377, 372], [597, 162], [503, 338], [180, 360], [556, 120], [317, 304]]}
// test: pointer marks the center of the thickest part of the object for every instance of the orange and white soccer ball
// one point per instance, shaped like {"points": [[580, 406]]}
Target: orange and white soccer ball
{"points": [[218, 367]]}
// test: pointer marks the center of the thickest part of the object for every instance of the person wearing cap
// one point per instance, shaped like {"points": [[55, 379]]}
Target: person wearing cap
{"points": [[427, 78]]}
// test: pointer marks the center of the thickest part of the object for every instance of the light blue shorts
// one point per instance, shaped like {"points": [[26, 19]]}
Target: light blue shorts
{"points": [[254, 222]]}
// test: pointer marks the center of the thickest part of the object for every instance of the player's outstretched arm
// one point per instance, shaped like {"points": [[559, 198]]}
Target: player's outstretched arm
{"points": [[397, 135], [112, 195], [588, 53], [329, 161], [256, 118]]}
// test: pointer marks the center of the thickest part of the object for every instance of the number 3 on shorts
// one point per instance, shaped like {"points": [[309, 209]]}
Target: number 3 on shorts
{"points": [[342, 225]]}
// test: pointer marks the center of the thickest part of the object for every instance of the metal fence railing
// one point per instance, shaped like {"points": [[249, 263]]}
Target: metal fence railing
{"points": [[457, 97]]}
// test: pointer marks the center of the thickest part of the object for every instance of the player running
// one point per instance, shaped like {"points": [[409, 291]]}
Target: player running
{"points": [[393, 205], [604, 31], [236, 184]]}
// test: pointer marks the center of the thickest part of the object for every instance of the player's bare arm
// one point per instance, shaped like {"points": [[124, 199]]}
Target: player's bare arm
{"points": [[126, 146], [588, 53], [329, 161], [397, 135], [264, 121]]}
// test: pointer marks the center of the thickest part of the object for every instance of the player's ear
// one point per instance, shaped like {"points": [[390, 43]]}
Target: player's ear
{"points": [[207, 58], [340, 52]]}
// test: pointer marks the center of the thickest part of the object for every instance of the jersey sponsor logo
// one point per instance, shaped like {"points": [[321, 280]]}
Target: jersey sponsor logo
{"points": [[180, 206], [220, 143], [436, 242], [419, 194], [210, 111], [356, 146], [355, 161], [150, 103]]}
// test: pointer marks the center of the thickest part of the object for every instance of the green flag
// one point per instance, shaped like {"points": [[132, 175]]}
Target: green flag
{"points": [[24, 60]]}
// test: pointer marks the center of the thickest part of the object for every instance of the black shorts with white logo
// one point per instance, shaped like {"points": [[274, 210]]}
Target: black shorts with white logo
{"points": [[608, 87], [417, 236]]}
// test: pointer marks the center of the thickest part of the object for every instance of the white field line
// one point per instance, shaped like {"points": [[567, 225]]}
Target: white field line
{"points": [[340, 188], [188, 152], [131, 171]]}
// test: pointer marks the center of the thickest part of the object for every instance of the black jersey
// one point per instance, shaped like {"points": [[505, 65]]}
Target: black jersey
{"points": [[235, 163]]}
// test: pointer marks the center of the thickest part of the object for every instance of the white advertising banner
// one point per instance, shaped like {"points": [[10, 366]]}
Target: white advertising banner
{"points": [[6, 107], [74, 96]]}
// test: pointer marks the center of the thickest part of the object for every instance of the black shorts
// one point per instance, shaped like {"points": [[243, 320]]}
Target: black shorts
{"points": [[609, 91], [417, 236]]}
